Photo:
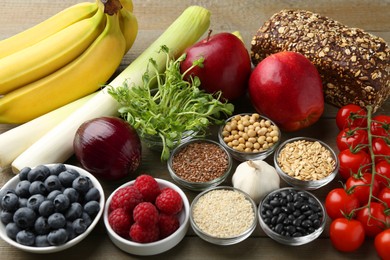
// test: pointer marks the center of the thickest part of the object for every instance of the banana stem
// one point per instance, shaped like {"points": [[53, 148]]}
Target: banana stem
{"points": [[111, 7]]}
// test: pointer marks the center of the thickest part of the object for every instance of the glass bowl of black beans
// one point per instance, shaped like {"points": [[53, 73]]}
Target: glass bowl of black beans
{"points": [[292, 216]]}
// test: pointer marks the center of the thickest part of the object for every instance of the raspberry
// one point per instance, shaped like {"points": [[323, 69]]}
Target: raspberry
{"points": [[148, 187], [142, 234], [167, 224], [145, 214], [127, 198], [120, 221], [169, 201]]}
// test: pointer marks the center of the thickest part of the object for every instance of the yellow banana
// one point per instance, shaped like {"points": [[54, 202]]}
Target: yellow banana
{"points": [[127, 4], [50, 54], [46, 28], [129, 27], [82, 76]]}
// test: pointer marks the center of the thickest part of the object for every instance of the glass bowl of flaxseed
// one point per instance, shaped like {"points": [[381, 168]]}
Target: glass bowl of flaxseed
{"points": [[306, 163], [199, 164]]}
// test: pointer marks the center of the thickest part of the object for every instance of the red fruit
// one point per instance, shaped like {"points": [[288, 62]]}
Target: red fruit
{"points": [[373, 218], [226, 65], [126, 198], [145, 214], [143, 234], [287, 88], [148, 187], [168, 224], [351, 116], [380, 125], [169, 201], [120, 221]]}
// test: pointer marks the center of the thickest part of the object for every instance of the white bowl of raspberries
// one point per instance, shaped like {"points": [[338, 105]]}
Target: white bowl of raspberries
{"points": [[147, 216], [49, 208]]}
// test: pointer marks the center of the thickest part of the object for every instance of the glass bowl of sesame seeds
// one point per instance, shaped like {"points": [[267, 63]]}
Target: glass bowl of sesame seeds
{"points": [[306, 163], [249, 136], [199, 164], [223, 215]]}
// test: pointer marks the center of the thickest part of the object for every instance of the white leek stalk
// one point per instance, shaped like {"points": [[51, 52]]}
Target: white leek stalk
{"points": [[16, 140], [57, 144]]}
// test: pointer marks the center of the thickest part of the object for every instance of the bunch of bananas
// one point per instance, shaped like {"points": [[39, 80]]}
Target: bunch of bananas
{"points": [[64, 58]]}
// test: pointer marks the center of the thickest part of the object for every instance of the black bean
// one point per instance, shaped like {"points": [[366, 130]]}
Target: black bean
{"points": [[281, 218], [276, 211], [268, 213], [307, 223], [279, 228], [308, 212], [290, 229], [274, 203], [274, 220], [290, 206], [297, 222]]}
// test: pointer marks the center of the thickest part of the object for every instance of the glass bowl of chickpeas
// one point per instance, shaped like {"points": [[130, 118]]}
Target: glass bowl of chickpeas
{"points": [[249, 136]]}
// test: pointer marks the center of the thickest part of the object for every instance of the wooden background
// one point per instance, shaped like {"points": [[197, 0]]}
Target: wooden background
{"points": [[227, 15]]}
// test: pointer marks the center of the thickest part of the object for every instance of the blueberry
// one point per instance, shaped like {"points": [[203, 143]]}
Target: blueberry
{"points": [[74, 211], [46, 208], [92, 208], [11, 229], [6, 217], [57, 168], [61, 202], [56, 220], [25, 237], [79, 226], [69, 230], [92, 194], [41, 226], [37, 187], [4, 192], [57, 237], [22, 189], [23, 173], [52, 183], [72, 194], [67, 177], [10, 202], [87, 219], [38, 173], [41, 241], [24, 217], [52, 195], [22, 202], [82, 184], [35, 201]]}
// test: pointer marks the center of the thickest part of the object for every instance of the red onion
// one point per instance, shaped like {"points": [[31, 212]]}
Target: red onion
{"points": [[108, 147]]}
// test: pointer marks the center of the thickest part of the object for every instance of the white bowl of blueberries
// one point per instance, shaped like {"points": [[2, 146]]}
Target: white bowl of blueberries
{"points": [[49, 208]]}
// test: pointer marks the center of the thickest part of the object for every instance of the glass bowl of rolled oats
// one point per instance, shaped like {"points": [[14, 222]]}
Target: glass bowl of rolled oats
{"points": [[249, 136], [223, 215], [306, 163]]}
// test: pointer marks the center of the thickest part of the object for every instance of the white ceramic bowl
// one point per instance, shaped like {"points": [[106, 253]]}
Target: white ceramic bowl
{"points": [[154, 247], [11, 184]]}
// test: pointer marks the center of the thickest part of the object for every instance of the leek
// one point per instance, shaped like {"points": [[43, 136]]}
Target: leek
{"points": [[16, 140], [57, 144]]}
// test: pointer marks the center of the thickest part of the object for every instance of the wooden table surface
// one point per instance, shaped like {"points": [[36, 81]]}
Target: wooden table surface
{"points": [[227, 15]]}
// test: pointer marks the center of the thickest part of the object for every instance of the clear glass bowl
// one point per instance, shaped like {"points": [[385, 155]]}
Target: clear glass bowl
{"points": [[290, 240], [224, 240], [154, 142], [198, 186], [306, 184], [246, 156]]}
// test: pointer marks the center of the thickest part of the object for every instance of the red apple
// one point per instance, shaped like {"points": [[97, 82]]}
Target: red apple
{"points": [[226, 65], [287, 88]]}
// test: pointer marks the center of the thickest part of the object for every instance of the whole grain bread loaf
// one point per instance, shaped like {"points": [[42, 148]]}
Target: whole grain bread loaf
{"points": [[354, 65]]}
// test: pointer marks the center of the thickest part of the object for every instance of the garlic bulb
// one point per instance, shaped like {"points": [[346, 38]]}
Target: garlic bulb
{"points": [[257, 178]]}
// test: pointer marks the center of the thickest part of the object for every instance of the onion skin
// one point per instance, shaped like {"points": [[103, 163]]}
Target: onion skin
{"points": [[108, 147]]}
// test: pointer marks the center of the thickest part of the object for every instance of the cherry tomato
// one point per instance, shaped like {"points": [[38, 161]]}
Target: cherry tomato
{"points": [[382, 169], [351, 162], [384, 196], [338, 202], [381, 148], [382, 244], [380, 125], [373, 218], [350, 138], [360, 186], [346, 235], [351, 116]]}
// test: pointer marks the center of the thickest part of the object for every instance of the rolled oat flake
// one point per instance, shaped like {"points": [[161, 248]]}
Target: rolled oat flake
{"points": [[223, 213]]}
